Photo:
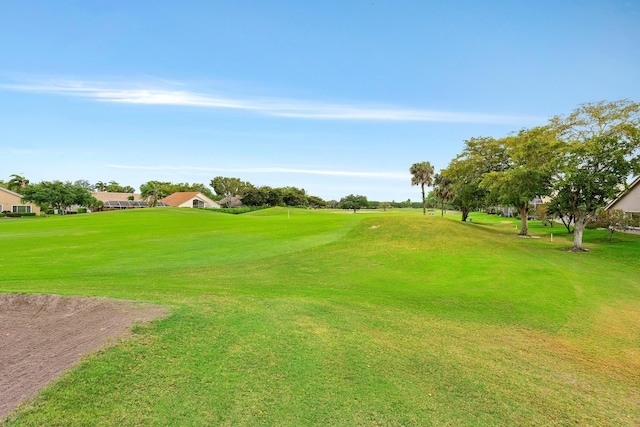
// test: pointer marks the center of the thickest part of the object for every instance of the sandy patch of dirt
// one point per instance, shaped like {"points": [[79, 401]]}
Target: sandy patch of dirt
{"points": [[43, 335]]}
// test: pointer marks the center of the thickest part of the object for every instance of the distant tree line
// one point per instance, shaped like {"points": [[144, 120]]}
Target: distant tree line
{"points": [[61, 195], [234, 189]]}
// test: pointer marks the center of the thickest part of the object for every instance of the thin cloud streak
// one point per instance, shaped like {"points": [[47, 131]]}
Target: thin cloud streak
{"points": [[276, 107], [390, 175]]}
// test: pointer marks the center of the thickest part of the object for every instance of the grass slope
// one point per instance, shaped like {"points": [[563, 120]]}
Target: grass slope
{"points": [[335, 319]]}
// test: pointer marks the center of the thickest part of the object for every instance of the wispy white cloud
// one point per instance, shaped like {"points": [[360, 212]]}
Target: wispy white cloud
{"points": [[195, 169], [278, 107]]}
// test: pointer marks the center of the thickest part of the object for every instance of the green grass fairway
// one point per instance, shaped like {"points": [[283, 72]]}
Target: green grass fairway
{"points": [[334, 319]]}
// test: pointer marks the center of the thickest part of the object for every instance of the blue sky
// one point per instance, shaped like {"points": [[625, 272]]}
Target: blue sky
{"points": [[336, 97]]}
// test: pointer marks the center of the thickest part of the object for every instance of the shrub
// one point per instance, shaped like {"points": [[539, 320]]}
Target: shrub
{"points": [[18, 214], [613, 220], [237, 211], [234, 211], [82, 210]]}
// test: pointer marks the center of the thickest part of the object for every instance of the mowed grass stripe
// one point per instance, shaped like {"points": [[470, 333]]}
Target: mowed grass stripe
{"points": [[125, 245], [382, 319]]}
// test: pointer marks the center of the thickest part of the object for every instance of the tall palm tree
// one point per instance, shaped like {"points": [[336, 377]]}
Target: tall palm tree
{"points": [[422, 174], [17, 183]]}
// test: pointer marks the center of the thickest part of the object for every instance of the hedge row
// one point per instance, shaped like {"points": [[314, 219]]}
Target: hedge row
{"points": [[236, 211], [17, 214]]}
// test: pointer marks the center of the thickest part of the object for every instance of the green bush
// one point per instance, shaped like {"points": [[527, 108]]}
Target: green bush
{"points": [[82, 210], [19, 214], [592, 225], [236, 211]]}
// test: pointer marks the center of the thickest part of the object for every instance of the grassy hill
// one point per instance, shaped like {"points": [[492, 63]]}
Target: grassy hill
{"points": [[326, 318]]}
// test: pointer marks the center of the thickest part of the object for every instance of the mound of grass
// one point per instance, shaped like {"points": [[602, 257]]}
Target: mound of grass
{"points": [[323, 318]]}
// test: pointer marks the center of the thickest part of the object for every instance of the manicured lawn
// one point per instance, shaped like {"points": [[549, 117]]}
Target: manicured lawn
{"points": [[327, 318]]}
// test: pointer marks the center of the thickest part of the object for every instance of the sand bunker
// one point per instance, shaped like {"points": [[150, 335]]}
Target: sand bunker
{"points": [[43, 335]]}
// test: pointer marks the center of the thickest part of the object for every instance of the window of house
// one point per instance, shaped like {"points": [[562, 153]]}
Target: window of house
{"points": [[198, 203], [21, 209]]}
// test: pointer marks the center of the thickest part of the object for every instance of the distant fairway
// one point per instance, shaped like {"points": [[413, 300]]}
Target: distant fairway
{"points": [[327, 318]]}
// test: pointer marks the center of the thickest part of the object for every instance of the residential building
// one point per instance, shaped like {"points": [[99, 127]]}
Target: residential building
{"points": [[190, 199], [12, 202]]}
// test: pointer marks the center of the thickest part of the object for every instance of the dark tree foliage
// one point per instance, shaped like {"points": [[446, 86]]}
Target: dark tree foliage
{"points": [[279, 196], [316, 202], [601, 149], [57, 195], [465, 172], [230, 187], [293, 196], [354, 202], [531, 155]]}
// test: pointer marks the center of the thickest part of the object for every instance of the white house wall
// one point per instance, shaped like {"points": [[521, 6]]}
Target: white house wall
{"points": [[189, 203], [630, 202]]}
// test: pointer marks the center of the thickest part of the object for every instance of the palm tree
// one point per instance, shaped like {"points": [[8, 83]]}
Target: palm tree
{"points": [[442, 190], [17, 183], [422, 174]]}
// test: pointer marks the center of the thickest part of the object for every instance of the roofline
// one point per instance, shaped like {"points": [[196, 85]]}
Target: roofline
{"points": [[624, 193], [11, 192]]}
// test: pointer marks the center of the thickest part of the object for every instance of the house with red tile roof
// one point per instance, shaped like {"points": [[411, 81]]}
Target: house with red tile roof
{"points": [[190, 199]]}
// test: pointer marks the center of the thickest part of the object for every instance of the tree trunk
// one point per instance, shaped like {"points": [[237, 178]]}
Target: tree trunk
{"points": [[524, 213], [578, 230], [465, 214], [424, 205], [442, 213]]}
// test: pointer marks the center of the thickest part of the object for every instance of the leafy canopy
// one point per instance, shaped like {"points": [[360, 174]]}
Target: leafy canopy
{"points": [[354, 202], [57, 195], [527, 173], [600, 150]]}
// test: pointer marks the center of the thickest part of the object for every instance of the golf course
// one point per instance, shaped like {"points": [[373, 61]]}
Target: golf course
{"points": [[299, 317]]}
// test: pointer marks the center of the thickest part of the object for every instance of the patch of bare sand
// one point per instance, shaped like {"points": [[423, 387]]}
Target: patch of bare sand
{"points": [[43, 335]]}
